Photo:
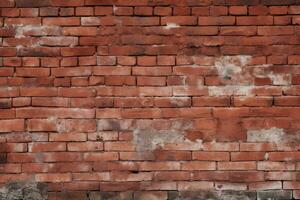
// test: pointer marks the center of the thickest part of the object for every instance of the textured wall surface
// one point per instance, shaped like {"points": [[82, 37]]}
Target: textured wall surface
{"points": [[150, 99]]}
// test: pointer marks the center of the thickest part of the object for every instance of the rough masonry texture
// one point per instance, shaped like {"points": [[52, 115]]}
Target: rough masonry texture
{"points": [[149, 99]]}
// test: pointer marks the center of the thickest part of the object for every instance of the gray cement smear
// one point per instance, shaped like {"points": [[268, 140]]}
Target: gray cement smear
{"points": [[24, 191]]}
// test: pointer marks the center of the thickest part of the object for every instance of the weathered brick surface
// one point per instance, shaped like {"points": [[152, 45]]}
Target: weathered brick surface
{"points": [[150, 99]]}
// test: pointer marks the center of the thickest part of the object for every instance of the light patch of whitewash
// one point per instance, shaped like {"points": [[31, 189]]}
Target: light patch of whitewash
{"points": [[36, 30], [115, 8], [280, 79], [230, 90], [275, 135], [171, 25], [151, 139], [229, 66]]}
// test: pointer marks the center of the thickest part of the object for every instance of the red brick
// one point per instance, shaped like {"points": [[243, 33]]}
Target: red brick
{"points": [[162, 11], [166, 60], [275, 30], [118, 146], [133, 102], [13, 147], [180, 20], [238, 10], [58, 177], [284, 156], [84, 11], [74, 137], [275, 166], [161, 166], [151, 81], [21, 101], [208, 21], [271, 185], [80, 31], [218, 10], [252, 101], [49, 102], [8, 51], [258, 10], [76, 51], [85, 146], [62, 21], [7, 3], [5, 103], [32, 3], [67, 3], [60, 113], [181, 11], [74, 71], [33, 72], [153, 71], [126, 60], [176, 176], [76, 92], [124, 11], [294, 9], [211, 101], [255, 20], [287, 101], [12, 125], [105, 156], [198, 165], [278, 10], [250, 165], [106, 70], [200, 11], [38, 92], [173, 155], [247, 156], [47, 147], [20, 157], [211, 156], [62, 157], [143, 11], [200, 185], [41, 125]]}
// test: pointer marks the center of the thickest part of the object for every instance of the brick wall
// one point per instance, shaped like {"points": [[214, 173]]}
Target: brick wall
{"points": [[151, 99]]}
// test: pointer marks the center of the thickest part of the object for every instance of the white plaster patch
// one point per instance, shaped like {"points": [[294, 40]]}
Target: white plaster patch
{"points": [[266, 157], [280, 79], [171, 25], [179, 101], [90, 21], [151, 139], [266, 135], [115, 8], [274, 135], [34, 30], [230, 66], [228, 90]]}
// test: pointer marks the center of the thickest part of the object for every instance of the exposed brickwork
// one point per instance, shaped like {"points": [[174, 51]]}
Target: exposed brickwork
{"points": [[150, 99]]}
